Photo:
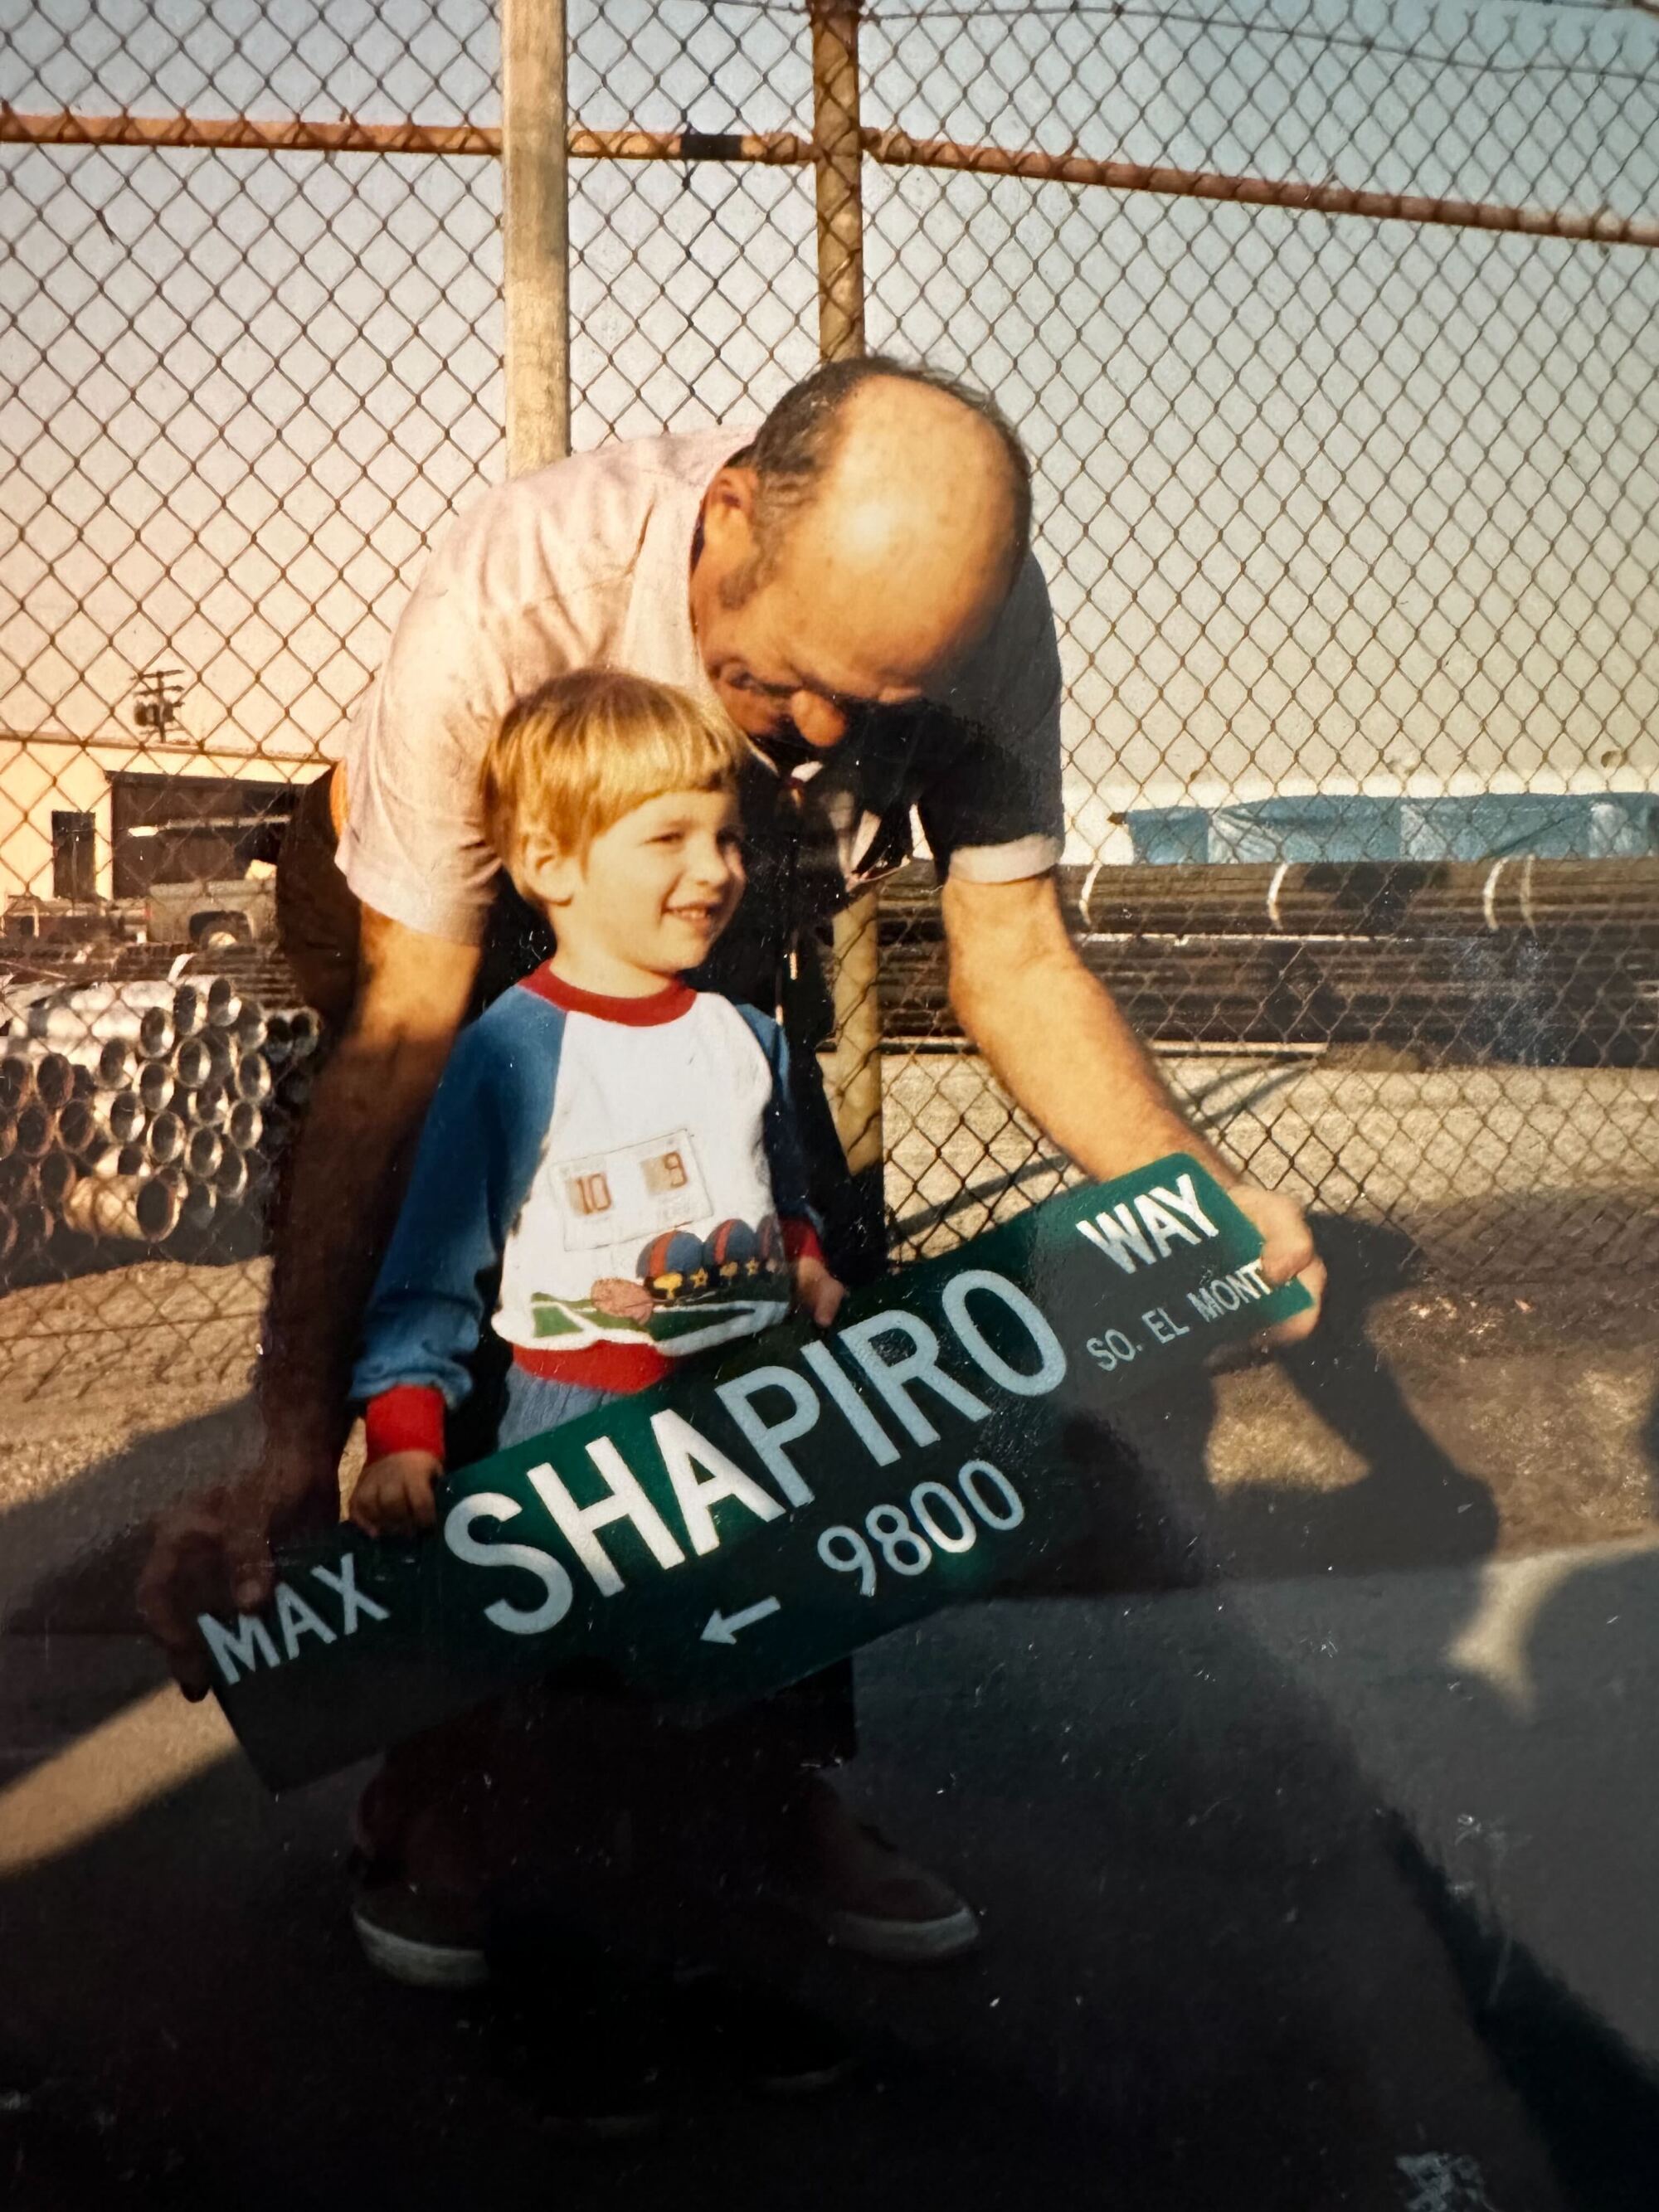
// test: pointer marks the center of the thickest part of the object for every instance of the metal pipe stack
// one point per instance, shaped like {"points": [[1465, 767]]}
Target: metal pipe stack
{"points": [[1522, 960], [131, 1109]]}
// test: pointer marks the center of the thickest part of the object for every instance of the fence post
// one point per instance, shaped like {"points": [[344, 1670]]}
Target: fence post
{"points": [[535, 233], [837, 156]]}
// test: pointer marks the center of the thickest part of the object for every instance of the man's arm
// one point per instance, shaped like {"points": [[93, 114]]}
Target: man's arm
{"points": [[214, 1553], [1059, 1043], [348, 1174]]}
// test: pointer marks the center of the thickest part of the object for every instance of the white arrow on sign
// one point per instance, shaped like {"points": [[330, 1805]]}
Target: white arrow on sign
{"points": [[723, 1627]]}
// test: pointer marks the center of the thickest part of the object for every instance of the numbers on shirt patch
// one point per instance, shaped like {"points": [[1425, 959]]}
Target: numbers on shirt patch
{"points": [[938, 1520], [662, 1172], [589, 1193]]}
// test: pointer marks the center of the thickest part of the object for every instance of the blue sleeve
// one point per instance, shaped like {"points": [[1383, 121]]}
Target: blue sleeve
{"points": [[786, 1162], [477, 1155]]}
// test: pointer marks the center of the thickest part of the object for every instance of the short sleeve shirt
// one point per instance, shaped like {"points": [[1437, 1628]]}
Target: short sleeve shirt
{"points": [[586, 564]]}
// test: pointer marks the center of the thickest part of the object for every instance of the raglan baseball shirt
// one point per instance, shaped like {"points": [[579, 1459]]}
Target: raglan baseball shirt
{"points": [[631, 1163]]}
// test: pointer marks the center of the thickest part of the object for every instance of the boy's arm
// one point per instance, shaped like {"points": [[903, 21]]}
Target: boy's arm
{"points": [[477, 1155], [786, 1162], [426, 1311], [817, 1293]]}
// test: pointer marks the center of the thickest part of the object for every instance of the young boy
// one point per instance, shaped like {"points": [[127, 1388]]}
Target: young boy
{"points": [[624, 1147], [621, 1145]]}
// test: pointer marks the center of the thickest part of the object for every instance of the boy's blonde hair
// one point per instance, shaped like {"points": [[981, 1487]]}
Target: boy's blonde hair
{"points": [[574, 757]]}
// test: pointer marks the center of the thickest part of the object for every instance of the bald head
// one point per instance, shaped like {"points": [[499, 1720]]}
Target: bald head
{"points": [[859, 547], [913, 525], [859, 440]]}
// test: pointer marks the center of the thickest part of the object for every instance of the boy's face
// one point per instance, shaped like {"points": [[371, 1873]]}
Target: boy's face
{"points": [[657, 888]]}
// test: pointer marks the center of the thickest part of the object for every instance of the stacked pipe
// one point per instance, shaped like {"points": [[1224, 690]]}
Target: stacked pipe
{"points": [[1519, 892], [131, 1109], [1535, 961]]}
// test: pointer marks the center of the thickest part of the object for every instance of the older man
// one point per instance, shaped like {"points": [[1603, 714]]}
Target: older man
{"points": [[853, 583]]}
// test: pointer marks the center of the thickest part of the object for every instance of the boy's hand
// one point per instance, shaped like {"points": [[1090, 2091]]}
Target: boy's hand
{"points": [[817, 1291], [393, 1497]]}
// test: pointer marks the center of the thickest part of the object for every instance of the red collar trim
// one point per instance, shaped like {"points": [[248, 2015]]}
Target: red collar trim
{"points": [[665, 1005]]}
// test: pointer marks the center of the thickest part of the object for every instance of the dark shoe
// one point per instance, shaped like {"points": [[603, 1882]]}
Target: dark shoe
{"points": [[867, 1897], [741, 2032], [427, 1939], [890, 1908]]}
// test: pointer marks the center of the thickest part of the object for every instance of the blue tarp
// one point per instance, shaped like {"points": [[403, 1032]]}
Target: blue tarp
{"points": [[1610, 825]]}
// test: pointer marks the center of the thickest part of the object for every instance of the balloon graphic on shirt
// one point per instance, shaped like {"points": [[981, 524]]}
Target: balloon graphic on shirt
{"points": [[731, 1254], [769, 1237], [672, 1265]]}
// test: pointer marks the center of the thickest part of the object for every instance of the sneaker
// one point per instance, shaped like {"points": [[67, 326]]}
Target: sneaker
{"points": [[898, 1911], [427, 1939], [736, 2029], [867, 1897]]}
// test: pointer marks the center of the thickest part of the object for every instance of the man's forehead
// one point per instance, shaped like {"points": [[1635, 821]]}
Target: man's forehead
{"points": [[855, 652], [839, 661]]}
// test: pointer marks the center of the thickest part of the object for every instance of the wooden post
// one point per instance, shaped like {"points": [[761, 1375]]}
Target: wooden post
{"points": [[837, 155], [535, 231]]}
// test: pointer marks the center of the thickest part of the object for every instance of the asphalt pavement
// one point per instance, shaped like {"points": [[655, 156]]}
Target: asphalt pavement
{"points": [[1234, 1850], [1308, 1805]]}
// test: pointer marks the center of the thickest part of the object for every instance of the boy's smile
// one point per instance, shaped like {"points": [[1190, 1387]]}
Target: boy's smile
{"points": [[651, 894]]}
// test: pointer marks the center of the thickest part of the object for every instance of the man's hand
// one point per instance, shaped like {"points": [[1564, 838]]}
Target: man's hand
{"points": [[817, 1293], [212, 1554], [1287, 1254], [394, 1494], [1058, 1041]]}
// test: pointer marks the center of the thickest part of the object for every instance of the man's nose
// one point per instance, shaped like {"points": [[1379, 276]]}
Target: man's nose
{"points": [[820, 724]]}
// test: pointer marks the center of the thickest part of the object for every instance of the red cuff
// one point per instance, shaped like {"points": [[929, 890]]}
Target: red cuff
{"points": [[409, 1418], [800, 1239]]}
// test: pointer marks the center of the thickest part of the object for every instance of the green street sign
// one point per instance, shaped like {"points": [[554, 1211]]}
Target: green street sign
{"points": [[726, 1533]]}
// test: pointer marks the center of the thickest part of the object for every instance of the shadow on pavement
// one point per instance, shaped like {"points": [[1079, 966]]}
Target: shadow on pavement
{"points": [[1536, 1868], [70, 1558], [1162, 1522]]}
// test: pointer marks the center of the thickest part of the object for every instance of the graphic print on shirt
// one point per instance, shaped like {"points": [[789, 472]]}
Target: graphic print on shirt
{"points": [[687, 1287], [639, 1228], [631, 1192]]}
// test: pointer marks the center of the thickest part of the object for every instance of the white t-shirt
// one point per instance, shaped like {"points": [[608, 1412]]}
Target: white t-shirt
{"points": [[586, 563], [656, 1139]]}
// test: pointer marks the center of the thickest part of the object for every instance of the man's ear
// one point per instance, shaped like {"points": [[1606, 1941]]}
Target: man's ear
{"points": [[728, 517], [547, 870]]}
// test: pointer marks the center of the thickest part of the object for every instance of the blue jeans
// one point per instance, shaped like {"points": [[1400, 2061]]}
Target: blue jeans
{"points": [[535, 1404], [533, 1778], [816, 1714]]}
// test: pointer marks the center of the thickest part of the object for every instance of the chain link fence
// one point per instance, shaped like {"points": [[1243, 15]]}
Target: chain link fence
{"points": [[1333, 331]]}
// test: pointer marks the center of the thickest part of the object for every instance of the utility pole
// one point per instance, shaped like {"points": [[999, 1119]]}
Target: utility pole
{"points": [[155, 697], [837, 176], [535, 233]]}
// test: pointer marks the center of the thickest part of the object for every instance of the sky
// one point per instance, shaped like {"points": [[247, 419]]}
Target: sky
{"points": [[1324, 503]]}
